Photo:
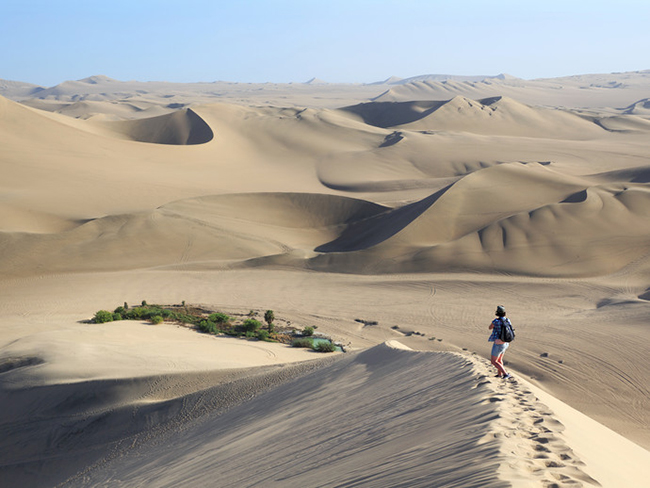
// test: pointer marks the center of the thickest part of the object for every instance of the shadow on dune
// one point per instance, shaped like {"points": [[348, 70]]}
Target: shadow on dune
{"points": [[181, 128], [639, 174], [51, 432], [367, 419], [374, 230], [389, 114]]}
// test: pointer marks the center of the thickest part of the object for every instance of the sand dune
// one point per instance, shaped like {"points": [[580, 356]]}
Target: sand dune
{"points": [[642, 107], [613, 90], [59, 422], [400, 437], [104, 89], [497, 115], [438, 231], [18, 89], [109, 110], [559, 227], [183, 127], [206, 230], [404, 218], [392, 426], [624, 123]]}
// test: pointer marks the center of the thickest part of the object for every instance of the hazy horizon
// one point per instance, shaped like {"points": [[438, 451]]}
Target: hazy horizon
{"points": [[358, 41]]}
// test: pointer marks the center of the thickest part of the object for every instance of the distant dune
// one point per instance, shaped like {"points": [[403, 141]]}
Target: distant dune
{"points": [[183, 127], [496, 115], [613, 90]]}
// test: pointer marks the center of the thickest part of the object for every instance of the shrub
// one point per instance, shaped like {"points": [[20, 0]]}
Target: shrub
{"points": [[157, 319], [103, 316], [136, 313], [263, 335], [117, 316], [120, 310], [303, 342], [208, 327], [185, 318], [144, 303], [251, 325], [250, 334], [219, 318], [325, 347], [308, 331]]}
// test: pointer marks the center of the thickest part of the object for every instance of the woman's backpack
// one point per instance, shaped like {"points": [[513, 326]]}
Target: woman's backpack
{"points": [[507, 333]]}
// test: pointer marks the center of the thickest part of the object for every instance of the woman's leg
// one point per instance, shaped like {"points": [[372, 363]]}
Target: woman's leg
{"points": [[497, 362], [497, 358], [500, 367]]}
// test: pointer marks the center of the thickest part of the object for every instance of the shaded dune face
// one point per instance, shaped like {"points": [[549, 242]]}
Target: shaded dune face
{"points": [[390, 114], [211, 229], [183, 127], [366, 233], [374, 409], [483, 224]]}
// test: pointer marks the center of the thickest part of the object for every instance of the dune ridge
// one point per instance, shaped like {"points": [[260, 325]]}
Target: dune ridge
{"points": [[410, 429], [182, 127], [597, 90], [495, 115]]}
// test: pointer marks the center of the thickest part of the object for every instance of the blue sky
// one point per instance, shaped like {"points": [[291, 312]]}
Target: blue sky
{"points": [[47, 41]]}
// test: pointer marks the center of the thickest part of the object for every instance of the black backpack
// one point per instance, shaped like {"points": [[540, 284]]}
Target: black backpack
{"points": [[507, 333]]}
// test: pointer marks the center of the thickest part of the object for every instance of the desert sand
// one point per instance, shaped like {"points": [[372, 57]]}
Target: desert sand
{"points": [[393, 216]]}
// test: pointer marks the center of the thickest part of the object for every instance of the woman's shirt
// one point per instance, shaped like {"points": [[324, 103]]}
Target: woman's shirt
{"points": [[496, 330]]}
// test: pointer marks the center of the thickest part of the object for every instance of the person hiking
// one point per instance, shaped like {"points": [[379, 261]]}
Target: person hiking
{"points": [[499, 347]]}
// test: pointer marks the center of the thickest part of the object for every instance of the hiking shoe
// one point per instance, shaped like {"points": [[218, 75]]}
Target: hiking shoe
{"points": [[507, 376]]}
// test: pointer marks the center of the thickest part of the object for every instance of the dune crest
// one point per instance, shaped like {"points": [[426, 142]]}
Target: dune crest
{"points": [[402, 426], [495, 115], [180, 128]]}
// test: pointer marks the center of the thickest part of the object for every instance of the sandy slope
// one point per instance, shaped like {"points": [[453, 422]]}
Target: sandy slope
{"points": [[420, 213], [399, 420]]}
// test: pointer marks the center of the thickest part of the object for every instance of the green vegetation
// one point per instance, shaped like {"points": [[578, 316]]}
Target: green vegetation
{"points": [[103, 316], [308, 331], [317, 344], [263, 335], [251, 325], [269, 317], [325, 346], [208, 327], [219, 318], [211, 322], [303, 342]]}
